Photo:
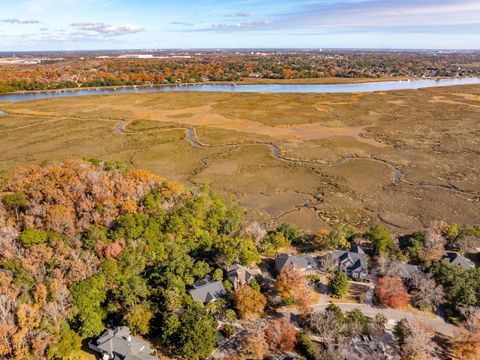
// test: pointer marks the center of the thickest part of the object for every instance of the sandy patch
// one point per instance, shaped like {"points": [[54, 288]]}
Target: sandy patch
{"points": [[443, 100], [203, 116]]}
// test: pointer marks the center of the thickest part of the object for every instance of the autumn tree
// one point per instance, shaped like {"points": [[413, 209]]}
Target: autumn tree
{"points": [[252, 346], [467, 342], [249, 303], [391, 292], [280, 336], [292, 285]]}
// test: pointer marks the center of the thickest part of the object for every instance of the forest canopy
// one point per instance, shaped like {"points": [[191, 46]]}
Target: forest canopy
{"points": [[88, 245]]}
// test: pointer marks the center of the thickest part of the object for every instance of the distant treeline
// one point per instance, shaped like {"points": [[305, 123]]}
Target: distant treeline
{"points": [[52, 75]]}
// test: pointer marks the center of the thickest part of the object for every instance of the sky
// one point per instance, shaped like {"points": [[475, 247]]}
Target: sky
{"points": [[36, 25]]}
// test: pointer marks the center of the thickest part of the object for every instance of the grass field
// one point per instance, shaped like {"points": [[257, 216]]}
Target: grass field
{"points": [[339, 154]]}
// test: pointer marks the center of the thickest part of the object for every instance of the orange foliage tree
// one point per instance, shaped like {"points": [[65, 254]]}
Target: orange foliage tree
{"points": [[467, 342], [292, 284], [391, 292], [249, 303]]}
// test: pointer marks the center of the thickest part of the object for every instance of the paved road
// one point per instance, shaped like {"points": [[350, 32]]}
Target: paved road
{"points": [[436, 322]]}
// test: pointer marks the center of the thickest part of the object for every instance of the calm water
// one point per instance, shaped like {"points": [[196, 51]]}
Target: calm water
{"points": [[334, 88]]}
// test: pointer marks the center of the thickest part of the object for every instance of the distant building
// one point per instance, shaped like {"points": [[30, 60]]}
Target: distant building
{"points": [[308, 264], [206, 291], [239, 275], [457, 259], [402, 270], [353, 262], [118, 344]]}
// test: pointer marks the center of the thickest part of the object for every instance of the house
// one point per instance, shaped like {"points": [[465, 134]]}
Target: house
{"points": [[402, 270], [353, 262], [207, 290], [118, 344], [239, 275], [457, 259], [308, 264]]}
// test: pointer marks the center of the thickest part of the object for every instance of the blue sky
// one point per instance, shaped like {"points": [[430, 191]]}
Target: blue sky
{"points": [[141, 24]]}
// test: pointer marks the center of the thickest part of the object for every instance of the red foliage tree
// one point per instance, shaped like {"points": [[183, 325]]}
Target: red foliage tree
{"points": [[280, 335], [391, 292]]}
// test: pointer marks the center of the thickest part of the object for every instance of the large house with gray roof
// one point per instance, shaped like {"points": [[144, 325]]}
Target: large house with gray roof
{"points": [[402, 270], [353, 262], [119, 344], [306, 263], [457, 259], [207, 290], [239, 275]]}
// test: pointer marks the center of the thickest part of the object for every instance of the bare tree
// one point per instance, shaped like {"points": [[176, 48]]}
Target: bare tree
{"points": [[468, 243], [434, 243], [419, 344], [326, 326], [256, 231], [426, 294], [383, 262], [328, 264]]}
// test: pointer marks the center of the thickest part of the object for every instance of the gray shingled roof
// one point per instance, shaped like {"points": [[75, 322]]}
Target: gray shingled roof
{"points": [[240, 273], [303, 262], [206, 291], [403, 270], [358, 258], [120, 344], [457, 259]]}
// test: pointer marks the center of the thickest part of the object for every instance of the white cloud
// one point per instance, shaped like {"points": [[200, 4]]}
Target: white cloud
{"points": [[18, 21], [244, 25], [101, 29], [183, 23]]}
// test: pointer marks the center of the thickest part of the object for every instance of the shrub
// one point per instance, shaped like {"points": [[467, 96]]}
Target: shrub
{"points": [[31, 237], [339, 285]]}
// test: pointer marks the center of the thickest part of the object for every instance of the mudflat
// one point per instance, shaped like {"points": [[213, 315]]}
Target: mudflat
{"points": [[403, 158]]}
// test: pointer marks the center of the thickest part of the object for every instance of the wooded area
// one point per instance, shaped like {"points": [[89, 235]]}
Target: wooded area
{"points": [[76, 71]]}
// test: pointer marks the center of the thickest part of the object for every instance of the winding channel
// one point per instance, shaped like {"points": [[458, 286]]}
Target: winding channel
{"points": [[398, 174], [398, 178]]}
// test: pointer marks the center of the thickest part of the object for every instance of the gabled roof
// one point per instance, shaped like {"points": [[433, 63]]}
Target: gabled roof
{"points": [[303, 262], [241, 273], [206, 291], [457, 259], [403, 270], [357, 249], [358, 265], [356, 255], [122, 345]]}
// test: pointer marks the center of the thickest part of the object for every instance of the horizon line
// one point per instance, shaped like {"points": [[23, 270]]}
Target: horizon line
{"points": [[242, 49]]}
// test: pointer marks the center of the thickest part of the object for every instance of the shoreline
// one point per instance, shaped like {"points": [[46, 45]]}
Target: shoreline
{"points": [[244, 81]]}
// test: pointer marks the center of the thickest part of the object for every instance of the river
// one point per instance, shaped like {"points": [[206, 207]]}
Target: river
{"points": [[268, 88]]}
